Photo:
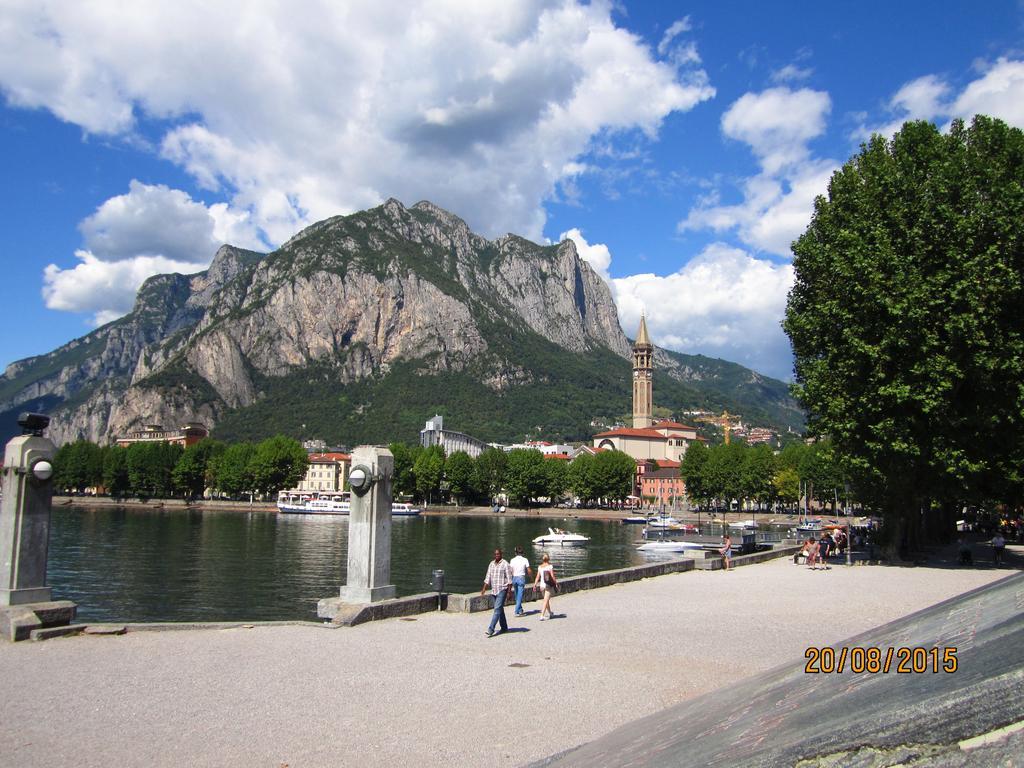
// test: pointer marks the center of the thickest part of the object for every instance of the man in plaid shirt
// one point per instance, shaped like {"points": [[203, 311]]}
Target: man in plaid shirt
{"points": [[499, 578]]}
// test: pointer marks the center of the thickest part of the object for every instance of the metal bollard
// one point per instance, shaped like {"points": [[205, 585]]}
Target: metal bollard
{"points": [[437, 584]]}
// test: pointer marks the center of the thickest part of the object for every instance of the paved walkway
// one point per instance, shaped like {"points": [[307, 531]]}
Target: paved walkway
{"points": [[436, 691]]}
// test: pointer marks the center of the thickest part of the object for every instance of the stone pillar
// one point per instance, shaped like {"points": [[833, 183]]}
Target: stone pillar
{"points": [[369, 528], [25, 521], [25, 603]]}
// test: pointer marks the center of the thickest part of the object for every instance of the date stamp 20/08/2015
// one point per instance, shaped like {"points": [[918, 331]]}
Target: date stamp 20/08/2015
{"points": [[873, 660]]}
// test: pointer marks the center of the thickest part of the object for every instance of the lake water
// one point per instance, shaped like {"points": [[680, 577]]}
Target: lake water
{"points": [[127, 565]]}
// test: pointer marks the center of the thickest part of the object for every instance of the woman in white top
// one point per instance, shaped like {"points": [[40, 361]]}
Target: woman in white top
{"points": [[546, 581]]}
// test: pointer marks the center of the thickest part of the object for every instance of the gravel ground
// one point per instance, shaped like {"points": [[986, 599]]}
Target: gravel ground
{"points": [[436, 691]]}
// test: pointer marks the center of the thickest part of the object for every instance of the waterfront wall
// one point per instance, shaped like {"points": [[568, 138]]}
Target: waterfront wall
{"points": [[165, 504], [473, 602]]}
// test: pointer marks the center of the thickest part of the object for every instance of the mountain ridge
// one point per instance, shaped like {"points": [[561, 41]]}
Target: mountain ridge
{"points": [[345, 306]]}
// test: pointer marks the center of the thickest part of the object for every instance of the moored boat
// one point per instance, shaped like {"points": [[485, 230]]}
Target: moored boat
{"points": [[403, 509], [331, 503], [558, 537], [669, 546]]}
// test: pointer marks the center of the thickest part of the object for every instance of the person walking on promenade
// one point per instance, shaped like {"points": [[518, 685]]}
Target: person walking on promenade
{"points": [[726, 550], [998, 545], [499, 579], [812, 555], [824, 548], [521, 570], [548, 583]]}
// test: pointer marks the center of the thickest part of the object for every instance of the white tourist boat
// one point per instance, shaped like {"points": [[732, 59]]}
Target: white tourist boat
{"points": [[668, 546], [331, 503], [559, 538], [403, 509]]}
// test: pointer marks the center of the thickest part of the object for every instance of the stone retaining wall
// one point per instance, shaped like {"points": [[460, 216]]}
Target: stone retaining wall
{"points": [[350, 615], [716, 563], [473, 602]]}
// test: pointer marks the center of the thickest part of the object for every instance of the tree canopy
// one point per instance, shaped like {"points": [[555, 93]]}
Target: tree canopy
{"points": [[906, 321]]}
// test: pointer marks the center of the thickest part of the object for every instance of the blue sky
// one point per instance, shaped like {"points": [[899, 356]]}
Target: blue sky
{"points": [[679, 145]]}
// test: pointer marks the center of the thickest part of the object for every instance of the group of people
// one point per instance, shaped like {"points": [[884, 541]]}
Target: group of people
{"points": [[817, 551], [505, 578], [998, 543]]}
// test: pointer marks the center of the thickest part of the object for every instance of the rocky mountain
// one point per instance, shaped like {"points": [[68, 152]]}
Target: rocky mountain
{"points": [[360, 328]]}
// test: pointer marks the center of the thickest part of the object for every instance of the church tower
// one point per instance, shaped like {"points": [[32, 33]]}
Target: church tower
{"points": [[643, 367]]}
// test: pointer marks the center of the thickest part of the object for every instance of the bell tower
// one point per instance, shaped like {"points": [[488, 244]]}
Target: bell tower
{"points": [[643, 367]]}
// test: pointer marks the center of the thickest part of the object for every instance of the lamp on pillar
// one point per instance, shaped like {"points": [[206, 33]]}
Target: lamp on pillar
{"points": [[25, 600], [369, 527]]}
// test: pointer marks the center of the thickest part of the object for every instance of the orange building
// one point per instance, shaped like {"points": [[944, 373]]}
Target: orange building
{"points": [[188, 435], [664, 485]]}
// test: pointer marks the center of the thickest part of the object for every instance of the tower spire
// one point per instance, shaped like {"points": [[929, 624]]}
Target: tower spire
{"points": [[641, 335], [643, 368]]}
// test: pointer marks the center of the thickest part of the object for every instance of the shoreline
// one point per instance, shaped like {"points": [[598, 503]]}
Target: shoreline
{"points": [[606, 515]]}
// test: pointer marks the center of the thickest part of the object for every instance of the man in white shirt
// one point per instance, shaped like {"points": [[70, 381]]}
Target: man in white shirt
{"points": [[520, 570]]}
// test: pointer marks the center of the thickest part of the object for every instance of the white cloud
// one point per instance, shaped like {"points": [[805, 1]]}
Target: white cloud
{"points": [[157, 220], [478, 106], [777, 202], [999, 92], [597, 255], [777, 124], [675, 29], [150, 230], [920, 99], [104, 288], [722, 303], [791, 73]]}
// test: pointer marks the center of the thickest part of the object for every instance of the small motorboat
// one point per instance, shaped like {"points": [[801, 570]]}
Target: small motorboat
{"points": [[809, 527], [668, 523], [668, 546], [744, 524], [634, 520], [556, 537]]}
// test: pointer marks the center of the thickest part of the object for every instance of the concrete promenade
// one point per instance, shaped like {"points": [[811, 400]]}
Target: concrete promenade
{"points": [[435, 691]]}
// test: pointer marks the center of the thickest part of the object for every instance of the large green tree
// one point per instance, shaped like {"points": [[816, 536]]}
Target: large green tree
{"points": [[758, 473], [692, 470], [78, 465], [614, 474], [490, 468], [192, 472], [278, 462], [525, 475], [115, 471], [404, 481], [459, 472], [230, 471], [723, 472], [429, 470], [581, 479], [906, 323]]}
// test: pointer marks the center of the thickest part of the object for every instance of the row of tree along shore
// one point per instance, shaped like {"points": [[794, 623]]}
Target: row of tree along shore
{"points": [[720, 476]]}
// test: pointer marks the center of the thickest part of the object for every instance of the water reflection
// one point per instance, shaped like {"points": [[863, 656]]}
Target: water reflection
{"points": [[189, 565]]}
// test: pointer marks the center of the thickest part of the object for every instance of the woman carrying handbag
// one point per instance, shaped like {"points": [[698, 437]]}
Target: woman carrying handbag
{"points": [[546, 581]]}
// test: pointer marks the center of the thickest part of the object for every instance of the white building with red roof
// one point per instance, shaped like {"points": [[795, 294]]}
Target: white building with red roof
{"points": [[665, 440]]}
